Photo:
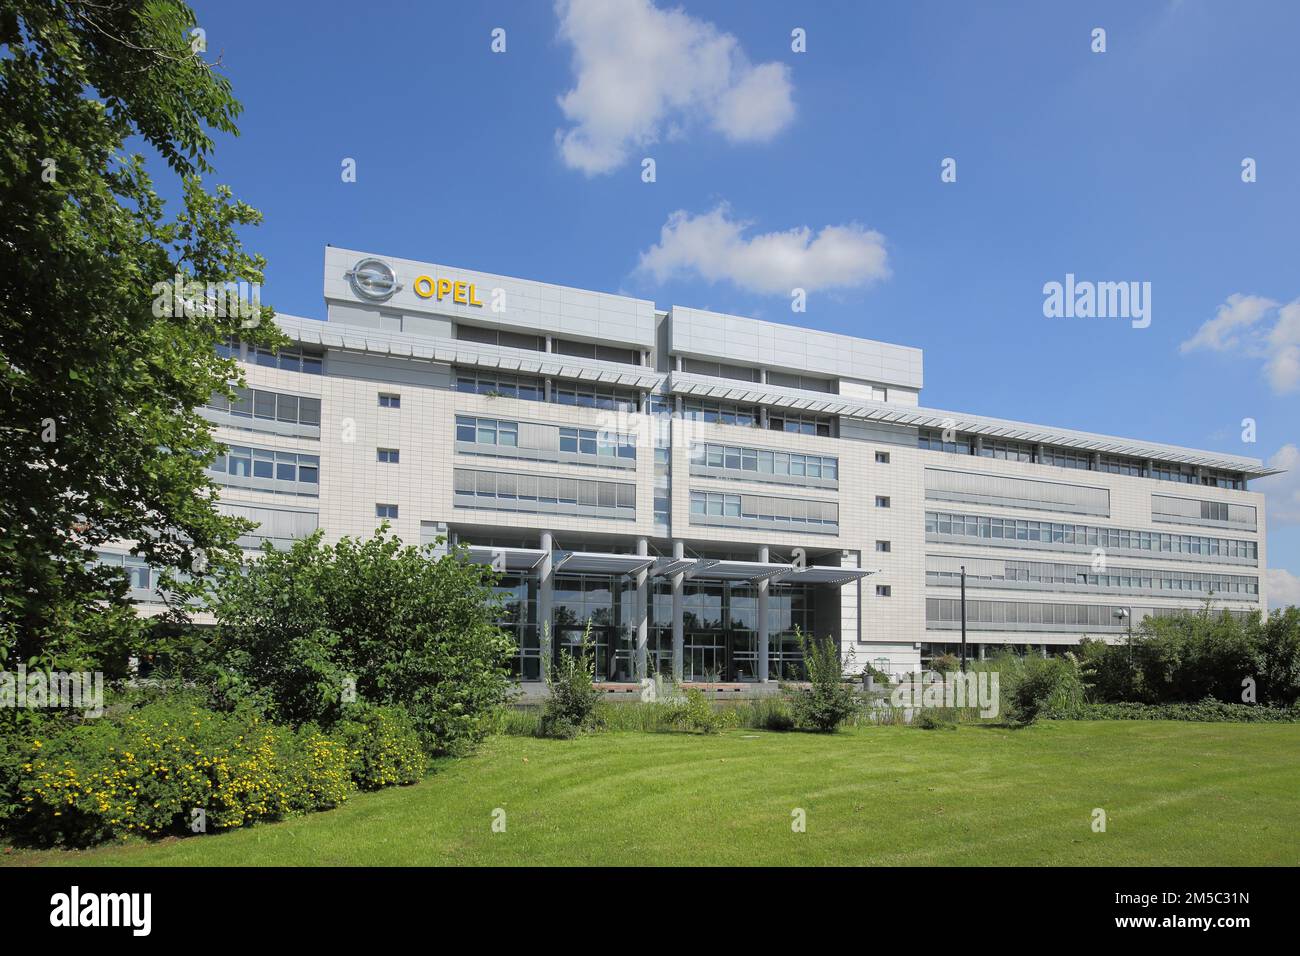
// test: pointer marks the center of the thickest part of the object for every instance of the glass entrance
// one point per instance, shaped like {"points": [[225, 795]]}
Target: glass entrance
{"points": [[568, 640]]}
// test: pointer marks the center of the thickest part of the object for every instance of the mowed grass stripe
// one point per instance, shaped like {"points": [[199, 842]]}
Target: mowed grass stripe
{"points": [[1174, 793]]}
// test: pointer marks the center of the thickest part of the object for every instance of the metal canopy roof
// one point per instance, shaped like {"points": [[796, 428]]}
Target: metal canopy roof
{"points": [[594, 562], [686, 383], [830, 575], [747, 571], [710, 569], [517, 559], [664, 567]]}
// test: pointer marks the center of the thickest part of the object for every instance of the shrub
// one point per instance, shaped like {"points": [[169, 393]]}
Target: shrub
{"points": [[694, 712], [1277, 651], [1208, 710], [383, 747], [148, 770], [1192, 656], [827, 702], [1032, 684], [571, 707], [298, 628], [935, 718], [945, 663], [768, 713]]}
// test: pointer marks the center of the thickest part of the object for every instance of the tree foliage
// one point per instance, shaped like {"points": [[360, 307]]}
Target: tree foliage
{"points": [[1193, 656], [302, 631], [99, 439]]}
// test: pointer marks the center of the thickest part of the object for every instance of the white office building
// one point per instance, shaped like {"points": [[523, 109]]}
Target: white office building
{"points": [[696, 486]]}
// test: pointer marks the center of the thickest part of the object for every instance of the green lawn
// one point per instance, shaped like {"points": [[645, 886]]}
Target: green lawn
{"points": [[1174, 793]]}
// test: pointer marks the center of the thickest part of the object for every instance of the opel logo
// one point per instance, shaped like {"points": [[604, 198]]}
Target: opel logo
{"points": [[373, 279]]}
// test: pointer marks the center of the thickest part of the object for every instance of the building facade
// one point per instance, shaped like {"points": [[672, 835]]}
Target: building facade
{"points": [[699, 487]]}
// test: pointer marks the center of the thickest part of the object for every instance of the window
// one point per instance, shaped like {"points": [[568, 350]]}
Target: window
{"points": [[510, 340], [589, 395], [241, 461], [783, 421], [720, 413], [882, 458], [883, 547], [721, 370], [604, 353], [484, 382], [385, 511], [882, 501], [761, 462], [933, 440], [389, 400], [883, 590], [806, 382], [1006, 450], [257, 403], [389, 456], [1059, 536], [518, 492], [290, 360], [761, 508]]}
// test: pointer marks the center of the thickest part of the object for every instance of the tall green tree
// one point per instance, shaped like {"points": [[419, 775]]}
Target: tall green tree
{"points": [[99, 439]]}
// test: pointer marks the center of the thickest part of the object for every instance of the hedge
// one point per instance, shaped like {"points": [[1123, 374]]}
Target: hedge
{"points": [[148, 771]]}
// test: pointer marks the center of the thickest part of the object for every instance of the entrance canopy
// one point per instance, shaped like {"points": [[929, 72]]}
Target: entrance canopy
{"points": [[697, 569], [596, 562], [516, 559]]}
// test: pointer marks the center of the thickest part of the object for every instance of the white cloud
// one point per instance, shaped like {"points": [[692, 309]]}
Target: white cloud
{"points": [[1282, 492], [642, 73], [713, 247], [1283, 588], [1256, 327]]}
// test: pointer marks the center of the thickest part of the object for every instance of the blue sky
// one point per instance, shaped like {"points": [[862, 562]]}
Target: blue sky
{"points": [[1115, 166]]}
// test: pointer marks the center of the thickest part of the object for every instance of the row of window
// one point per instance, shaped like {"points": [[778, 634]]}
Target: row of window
{"points": [[1146, 579], [589, 441], [139, 575], [290, 360], [764, 508], [271, 406], [961, 444], [718, 413], [244, 462], [584, 441], [762, 462], [794, 423], [948, 611], [532, 389], [508, 486], [1085, 536], [487, 431]]}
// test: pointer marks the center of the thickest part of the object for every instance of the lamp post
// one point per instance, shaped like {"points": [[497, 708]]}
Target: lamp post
{"points": [[1124, 614], [963, 618]]}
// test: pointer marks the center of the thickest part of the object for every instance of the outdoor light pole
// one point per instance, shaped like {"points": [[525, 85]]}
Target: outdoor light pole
{"points": [[1125, 614], [963, 618]]}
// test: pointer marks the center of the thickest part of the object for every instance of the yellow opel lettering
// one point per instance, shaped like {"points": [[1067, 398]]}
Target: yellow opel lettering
{"points": [[423, 287], [444, 286], [472, 300], [459, 294]]}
